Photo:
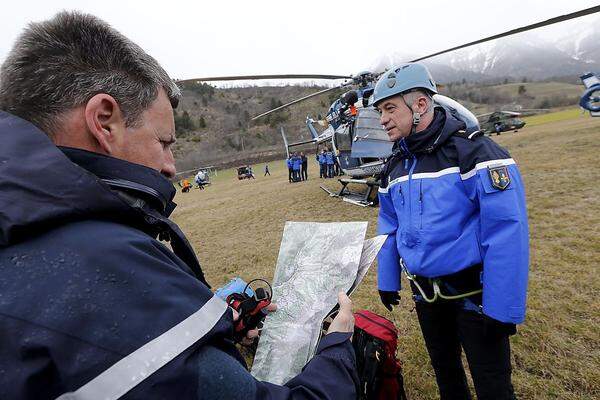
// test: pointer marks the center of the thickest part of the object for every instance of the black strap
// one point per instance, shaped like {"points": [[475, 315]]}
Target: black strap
{"points": [[369, 376]]}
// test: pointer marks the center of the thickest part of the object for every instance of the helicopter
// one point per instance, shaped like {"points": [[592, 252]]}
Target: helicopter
{"points": [[501, 121], [590, 100], [353, 132]]}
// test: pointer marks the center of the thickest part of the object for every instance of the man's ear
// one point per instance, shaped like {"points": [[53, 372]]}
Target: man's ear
{"points": [[104, 121], [422, 104]]}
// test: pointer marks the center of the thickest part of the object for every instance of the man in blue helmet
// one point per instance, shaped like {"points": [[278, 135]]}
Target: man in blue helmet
{"points": [[453, 207]]}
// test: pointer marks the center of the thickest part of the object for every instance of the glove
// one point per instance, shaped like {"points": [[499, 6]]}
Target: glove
{"points": [[389, 299], [494, 328]]}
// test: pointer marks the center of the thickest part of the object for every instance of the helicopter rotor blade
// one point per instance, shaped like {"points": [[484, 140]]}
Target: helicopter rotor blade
{"points": [[526, 28], [299, 100], [256, 77]]}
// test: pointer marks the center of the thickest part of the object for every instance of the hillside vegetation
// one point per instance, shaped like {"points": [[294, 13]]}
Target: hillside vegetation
{"points": [[236, 227], [214, 127]]}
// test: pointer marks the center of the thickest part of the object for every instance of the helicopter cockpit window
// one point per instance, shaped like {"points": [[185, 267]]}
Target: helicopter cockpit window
{"points": [[370, 139], [343, 139], [368, 125]]}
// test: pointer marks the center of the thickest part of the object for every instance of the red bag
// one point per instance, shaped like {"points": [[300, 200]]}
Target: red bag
{"points": [[375, 342]]}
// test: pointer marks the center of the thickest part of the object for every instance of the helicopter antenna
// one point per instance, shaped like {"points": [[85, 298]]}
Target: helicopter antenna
{"points": [[547, 22]]}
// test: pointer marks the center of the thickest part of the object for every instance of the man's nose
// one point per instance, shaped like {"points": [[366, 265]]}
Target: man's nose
{"points": [[383, 119], [168, 168]]}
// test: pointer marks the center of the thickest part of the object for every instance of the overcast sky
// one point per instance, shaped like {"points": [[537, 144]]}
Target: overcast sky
{"points": [[219, 37]]}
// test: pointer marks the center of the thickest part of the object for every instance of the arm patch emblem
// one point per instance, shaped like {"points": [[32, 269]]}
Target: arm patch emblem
{"points": [[499, 176]]}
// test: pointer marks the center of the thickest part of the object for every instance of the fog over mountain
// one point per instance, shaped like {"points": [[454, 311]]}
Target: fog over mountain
{"points": [[526, 55]]}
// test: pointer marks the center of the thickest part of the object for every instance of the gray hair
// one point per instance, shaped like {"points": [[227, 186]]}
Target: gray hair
{"points": [[412, 96], [61, 63]]}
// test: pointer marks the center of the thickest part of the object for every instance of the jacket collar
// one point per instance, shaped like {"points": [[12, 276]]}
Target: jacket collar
{"points": [[133, 179], [428, 140]]}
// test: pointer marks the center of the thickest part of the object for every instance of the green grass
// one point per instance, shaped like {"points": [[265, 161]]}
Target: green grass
{"points": [[236, 226], [541, 89], [563, 115]]}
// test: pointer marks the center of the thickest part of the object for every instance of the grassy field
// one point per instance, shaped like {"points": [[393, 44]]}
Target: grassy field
{"points": [[541, 89], [236, 226], [563, 115]]}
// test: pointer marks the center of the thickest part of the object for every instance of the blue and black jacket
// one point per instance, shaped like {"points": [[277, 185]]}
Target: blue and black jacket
{"points": [[329, 158], [84, 282], [449, 201], [296, 163]]}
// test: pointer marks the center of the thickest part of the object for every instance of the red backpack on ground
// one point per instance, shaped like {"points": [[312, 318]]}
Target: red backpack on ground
{"points": [[375, 341]]}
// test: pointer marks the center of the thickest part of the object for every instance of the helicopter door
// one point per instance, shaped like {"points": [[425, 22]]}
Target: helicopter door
{"points": [[370, 139]]}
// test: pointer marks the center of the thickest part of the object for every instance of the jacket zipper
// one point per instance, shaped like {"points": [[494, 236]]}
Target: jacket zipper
{"points": [[410, 173], [410, 211], [420, 204]]}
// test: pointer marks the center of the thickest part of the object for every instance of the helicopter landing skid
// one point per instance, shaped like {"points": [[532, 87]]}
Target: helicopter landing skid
{"points": [[356, 198]]}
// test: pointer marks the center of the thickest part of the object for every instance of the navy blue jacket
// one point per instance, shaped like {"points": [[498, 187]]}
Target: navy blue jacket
{"points": [[84, 283], [443, 213]]}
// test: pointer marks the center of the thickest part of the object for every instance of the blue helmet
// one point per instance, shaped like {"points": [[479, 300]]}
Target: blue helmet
{"points": [[402, 78]]}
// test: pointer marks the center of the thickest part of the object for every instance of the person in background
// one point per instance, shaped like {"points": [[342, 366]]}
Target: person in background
{"points": [[201, 179], [186, 186], [336, 167], [267, 170], [290, 166], [304, 170], [322, 164], [330, 162], [296, 166], [251, 172]]}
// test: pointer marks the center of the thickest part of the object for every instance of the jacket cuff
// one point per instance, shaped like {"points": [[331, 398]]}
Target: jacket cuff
{"points": [[329, 345]]}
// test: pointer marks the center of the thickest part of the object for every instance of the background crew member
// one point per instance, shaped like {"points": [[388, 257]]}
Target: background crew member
{"points": [[330, 162], [290, 166], [304, 167], [86, 129], [296, 167], [453, 205], [201, 179], [336, 167], [322, 164]]}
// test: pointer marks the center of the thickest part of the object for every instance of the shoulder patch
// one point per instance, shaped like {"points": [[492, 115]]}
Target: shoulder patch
{"points": [[468, 135], [499, 176]]}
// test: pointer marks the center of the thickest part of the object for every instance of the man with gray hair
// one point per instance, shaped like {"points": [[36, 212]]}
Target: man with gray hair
{"points": [[452, 203], [91, 304]]}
